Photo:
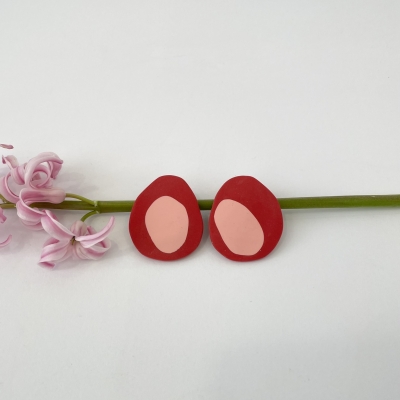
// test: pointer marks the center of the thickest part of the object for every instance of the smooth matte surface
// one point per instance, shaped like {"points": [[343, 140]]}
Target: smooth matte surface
{"points": [[238, 227], [167, 222], [303, 95]]}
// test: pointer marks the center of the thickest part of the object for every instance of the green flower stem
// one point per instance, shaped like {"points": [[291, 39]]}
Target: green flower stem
{"points": [[392, 200], [3, 199], [7, 205], [89, 214], [78, 197]]}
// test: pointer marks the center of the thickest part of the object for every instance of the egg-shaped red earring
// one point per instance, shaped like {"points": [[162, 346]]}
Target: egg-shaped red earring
{"points": [[166, 222], [246, 220]]}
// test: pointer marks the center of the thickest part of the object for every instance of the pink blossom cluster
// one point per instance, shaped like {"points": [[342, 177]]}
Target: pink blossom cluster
{"points": [[35, 181]]}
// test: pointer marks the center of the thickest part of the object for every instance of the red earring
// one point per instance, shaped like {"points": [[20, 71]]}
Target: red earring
{"points": [[246, 220], [166, 222]]}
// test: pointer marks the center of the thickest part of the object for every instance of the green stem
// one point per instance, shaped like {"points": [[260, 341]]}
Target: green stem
{"points": [[78, 197], [89, 214], [4, 200], [7, 205], [392, 200]]}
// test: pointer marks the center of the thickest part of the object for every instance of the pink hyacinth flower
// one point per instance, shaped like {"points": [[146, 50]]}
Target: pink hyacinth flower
{"points": [[2, 219], [79, 242], [39, 172]]}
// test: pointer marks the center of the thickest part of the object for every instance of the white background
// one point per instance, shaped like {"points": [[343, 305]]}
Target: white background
{"points": [[302, 95]]}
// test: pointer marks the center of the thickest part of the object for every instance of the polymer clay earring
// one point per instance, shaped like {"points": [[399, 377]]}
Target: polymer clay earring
{"points": [[165, 222], [246, 220]]}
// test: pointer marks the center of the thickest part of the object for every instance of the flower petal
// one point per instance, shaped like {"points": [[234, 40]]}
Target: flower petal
{"points": [[10, 161], [105, 243], [54, 228], [32, 216], [2, 216], [55, 251], [38, 180], [90, 240], [47, 264], [5, 243], [6, 191], [52, 263], [17, 171], [92, 253], [18, 174], [79, 228], [33, 226], [7, 146], [50, 240], [54, 162], [54, 196]]}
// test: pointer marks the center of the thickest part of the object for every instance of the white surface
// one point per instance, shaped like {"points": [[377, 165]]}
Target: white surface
{"points": [[303, 95]]}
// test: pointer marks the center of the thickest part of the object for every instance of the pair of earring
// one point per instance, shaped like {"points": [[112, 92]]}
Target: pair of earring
{"points": [[245, 222]]}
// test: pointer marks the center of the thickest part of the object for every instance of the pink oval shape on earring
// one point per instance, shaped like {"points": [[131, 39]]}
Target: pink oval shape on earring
{"points": [[239, 228], [167, 222]]}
